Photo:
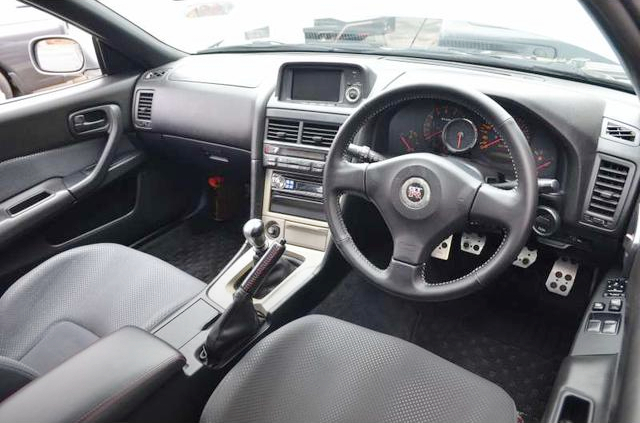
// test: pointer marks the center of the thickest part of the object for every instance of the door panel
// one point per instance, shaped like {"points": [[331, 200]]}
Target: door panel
{"points": [[70, 174]]}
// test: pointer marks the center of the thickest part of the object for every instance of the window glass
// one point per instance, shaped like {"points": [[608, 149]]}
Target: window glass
{"points": [[555, 37], [63, 51]]}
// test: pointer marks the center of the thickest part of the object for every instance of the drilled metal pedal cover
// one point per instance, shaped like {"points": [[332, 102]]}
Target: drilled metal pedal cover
{"points": [[526, 258], [472, 243], [562, 275], [442, 251]]}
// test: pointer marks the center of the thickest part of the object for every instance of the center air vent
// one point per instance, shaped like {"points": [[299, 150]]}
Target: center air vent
{"points": [[608, 192], [619, 132], [319, 134], [283, 130], [144, 105]]}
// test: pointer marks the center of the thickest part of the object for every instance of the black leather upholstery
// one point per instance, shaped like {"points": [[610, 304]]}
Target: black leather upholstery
{"points": [[320, 369], [79, 296], [103, 383]]}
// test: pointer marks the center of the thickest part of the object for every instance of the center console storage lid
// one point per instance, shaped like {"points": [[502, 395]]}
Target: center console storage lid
{"points": [[105, 382]]}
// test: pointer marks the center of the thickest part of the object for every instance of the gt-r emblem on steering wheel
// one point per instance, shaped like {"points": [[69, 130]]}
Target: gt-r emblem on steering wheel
{"points": [[415, 193]]}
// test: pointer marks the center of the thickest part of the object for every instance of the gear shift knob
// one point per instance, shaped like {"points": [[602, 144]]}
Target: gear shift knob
{"points": [[253, 231]]}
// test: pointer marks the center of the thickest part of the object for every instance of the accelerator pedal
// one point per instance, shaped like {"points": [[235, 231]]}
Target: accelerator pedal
{"points": [[562, 275]]}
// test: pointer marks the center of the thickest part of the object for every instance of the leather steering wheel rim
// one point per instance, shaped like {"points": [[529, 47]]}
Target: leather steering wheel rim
{"points": [[424, 197]]}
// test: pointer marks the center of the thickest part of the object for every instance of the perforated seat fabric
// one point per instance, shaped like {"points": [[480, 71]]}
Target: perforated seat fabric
{"points": [[81, 295], [319, 369]]}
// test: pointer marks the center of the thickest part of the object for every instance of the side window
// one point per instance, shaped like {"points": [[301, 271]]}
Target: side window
{"points": [[64, 55]]}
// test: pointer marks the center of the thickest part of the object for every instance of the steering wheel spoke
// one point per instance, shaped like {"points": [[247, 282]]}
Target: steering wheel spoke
{"points": [[498, 206], [349, 177]]}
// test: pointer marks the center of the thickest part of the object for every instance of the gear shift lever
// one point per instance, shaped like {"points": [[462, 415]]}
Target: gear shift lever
{"points": [[253, 232]]}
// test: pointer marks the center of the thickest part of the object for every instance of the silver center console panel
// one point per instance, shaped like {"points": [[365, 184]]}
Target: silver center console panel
{"points": [[301, 123]]}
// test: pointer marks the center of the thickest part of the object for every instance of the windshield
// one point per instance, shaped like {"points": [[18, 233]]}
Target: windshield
{"points": [[546, 36]]}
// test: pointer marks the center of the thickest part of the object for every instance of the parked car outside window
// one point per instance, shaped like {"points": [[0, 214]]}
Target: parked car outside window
{"points": [[19, 25]]}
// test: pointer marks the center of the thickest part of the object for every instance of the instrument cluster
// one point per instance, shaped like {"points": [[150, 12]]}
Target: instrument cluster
{"points": [[446, 128]]}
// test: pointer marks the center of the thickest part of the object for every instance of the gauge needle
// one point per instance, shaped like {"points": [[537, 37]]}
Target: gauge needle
{"points": [[406, 144], [428, 137], [543, 165], [459, 140], [487, 145]]}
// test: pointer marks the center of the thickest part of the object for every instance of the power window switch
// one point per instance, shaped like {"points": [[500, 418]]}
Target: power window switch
{"points": [[615, 304], [594, 325], [610, 327], [598, 306]]}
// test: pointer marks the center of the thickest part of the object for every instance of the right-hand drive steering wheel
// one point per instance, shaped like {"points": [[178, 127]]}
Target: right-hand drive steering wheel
{"points": [[424, 197]]}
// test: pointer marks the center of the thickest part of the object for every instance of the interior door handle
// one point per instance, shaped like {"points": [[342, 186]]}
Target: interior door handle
{"points": [[89, 121], [109, 119]]}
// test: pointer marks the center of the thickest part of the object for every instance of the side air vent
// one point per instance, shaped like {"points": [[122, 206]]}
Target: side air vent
{"points": [[319, 134], [283, 130], [620, 132], [144, 104], [608, 192]]}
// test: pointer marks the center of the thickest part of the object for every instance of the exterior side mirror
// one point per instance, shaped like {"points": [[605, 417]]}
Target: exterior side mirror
{"points": [[56, 55]]}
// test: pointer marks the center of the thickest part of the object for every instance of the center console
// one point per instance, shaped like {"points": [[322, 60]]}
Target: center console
{"points": [[302, 118]]}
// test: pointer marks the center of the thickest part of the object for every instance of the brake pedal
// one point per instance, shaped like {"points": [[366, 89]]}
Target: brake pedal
{"points": [[526, 258], [472, 243], [441, 252], [562, 275]]}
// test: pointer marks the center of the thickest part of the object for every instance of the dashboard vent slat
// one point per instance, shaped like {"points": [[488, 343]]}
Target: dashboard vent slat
{"points": [[319, 134], [144, 106], [283, 130], [143, 109], [607, 192], [620, 132]]}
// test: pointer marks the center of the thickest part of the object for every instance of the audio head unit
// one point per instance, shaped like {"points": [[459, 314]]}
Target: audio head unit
{"points": [[322, 83]]}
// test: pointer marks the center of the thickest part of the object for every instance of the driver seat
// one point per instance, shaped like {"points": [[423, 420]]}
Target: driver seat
{"points": [[320, 369]]}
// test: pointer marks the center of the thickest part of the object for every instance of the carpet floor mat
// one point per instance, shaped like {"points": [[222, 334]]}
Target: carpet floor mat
{"points": [[199, 246]]}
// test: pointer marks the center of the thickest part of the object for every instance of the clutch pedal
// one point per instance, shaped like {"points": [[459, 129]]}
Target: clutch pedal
{"points": [[562, 275], [472, 243], [441, 252]]}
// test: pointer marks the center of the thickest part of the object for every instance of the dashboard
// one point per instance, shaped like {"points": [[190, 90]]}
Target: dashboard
{"points": [[275, 115], [446, 128]]}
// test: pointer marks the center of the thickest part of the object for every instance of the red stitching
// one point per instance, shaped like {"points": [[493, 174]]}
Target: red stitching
{"points": [[142, 378]]}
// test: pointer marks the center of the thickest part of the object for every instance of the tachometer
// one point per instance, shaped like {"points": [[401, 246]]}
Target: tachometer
{"points": [[459, 135], [435, 122], [410, 141]]}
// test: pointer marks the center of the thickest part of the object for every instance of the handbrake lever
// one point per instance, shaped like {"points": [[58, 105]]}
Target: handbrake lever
{"points": [[258, 274], [240, 321]]}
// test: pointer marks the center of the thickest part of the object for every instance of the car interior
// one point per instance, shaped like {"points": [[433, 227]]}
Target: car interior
{"points": [[318, 234]]}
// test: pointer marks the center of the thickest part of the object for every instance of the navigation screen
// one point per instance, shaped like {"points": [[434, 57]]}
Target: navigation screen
{"points": [[316, 85]]}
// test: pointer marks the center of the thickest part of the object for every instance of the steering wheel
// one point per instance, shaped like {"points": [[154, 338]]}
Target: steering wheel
{"points": [[423, 198]]}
